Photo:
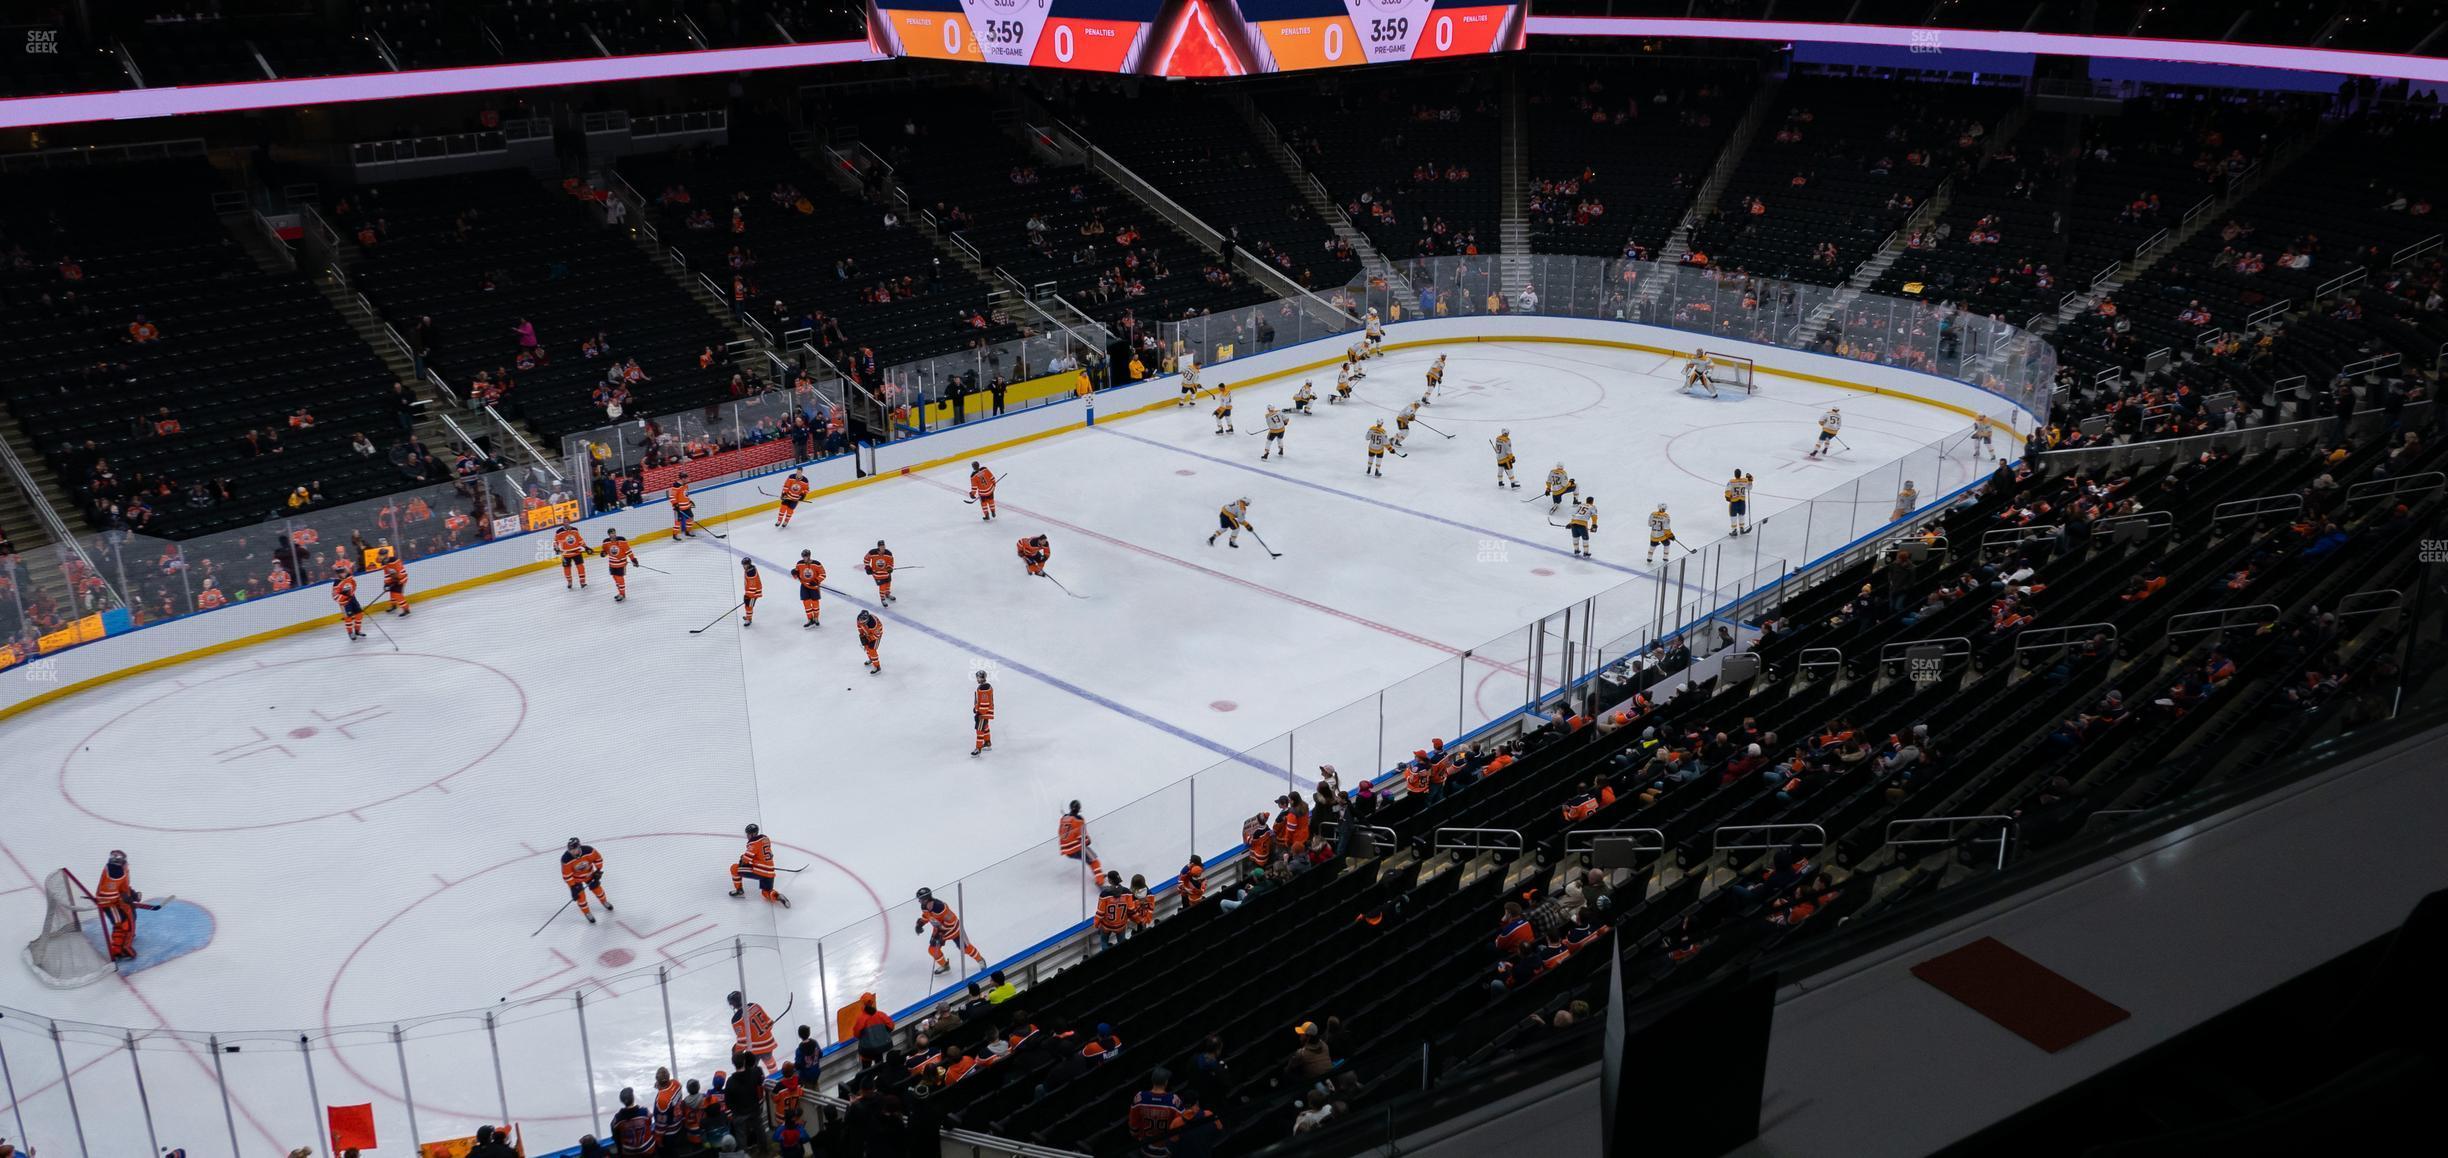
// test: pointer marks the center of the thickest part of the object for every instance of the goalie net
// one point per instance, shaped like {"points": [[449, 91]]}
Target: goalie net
{"points": [[63, 957], [1729, 371]]}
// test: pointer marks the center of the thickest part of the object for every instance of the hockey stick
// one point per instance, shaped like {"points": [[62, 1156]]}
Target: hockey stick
{"points": [[644, 567], [151, 906], [385, 634], [556, 916], [1431, 429], [689, 521], [718, 619], [1271, 552], [1075, 594], [1679, 543]]}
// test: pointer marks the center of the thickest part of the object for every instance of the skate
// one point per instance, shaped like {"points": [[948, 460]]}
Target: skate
{"points": [[781, 900], [739, 892], [582, 584], [623, 597], [589, 916], [943, 967], [566, 585], [405, 611], [809, 623], [975, 751], [607, 906], [1235, 544]]}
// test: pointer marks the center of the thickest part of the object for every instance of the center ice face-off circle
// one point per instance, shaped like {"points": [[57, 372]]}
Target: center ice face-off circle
{"points": [[286, 743]]}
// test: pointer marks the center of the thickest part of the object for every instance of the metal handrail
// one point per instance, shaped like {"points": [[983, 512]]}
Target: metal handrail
{"points": [[2004, 838], [50, 518], [523, 444], [1472, 838], [1586, 839], [1718, 842], [2389, 488], [2150, 520], [1902, 649], [2017, 536], [2253, 615], [2352, 603], [2247, 508], [2062, 636]]}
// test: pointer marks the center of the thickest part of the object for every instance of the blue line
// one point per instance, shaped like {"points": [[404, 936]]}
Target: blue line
{"points": [[1395, 507], [1048, 679]]}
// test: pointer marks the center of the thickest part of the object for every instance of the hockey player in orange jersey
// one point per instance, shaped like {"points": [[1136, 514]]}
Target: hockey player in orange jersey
{"points": [[947, 929], [1034, 551], [811, 577], [617, 555], [683, 507], [344, 593], [871, 633], [982, 488], [395, 583], [879, 566], [756, 862], [582, 869], [1071, 837], [752, 588], [794, 492], [571, 546], [981, 712]]}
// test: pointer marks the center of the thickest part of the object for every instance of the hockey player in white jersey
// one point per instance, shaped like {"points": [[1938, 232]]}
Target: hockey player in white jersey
{"points": [[1504, 460], [1276, 423], [1661, 533], [1829, 424]]}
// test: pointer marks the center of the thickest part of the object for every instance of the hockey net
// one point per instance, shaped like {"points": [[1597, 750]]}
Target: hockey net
{"points": [[63, 957], [1730, 371]]}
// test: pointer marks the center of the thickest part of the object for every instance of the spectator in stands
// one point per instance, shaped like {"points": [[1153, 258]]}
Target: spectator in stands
{"points": [[872, 1030], [143, 331]]}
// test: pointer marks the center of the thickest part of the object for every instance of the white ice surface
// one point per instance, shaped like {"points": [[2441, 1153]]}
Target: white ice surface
{"points": [[375, 832]]}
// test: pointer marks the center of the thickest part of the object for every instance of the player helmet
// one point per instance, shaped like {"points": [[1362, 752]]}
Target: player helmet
{"points": [[1661, 506], [926, 894], [981, 677], [973, 465], [734, 999], [573, 842], [1075, 807], [747, 564], [805, 553], [752, 830], [118, 857]]}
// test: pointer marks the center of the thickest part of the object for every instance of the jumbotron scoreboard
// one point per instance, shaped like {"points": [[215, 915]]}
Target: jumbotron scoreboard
{"points": [[1195, 38]]}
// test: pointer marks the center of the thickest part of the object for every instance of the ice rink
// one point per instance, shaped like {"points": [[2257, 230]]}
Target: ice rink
{"points": [[374, 832]]}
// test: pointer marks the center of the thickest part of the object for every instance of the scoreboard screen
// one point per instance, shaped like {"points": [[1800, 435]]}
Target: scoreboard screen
{"points": [[1288, 35], [1196, 38], [1093, 35]]}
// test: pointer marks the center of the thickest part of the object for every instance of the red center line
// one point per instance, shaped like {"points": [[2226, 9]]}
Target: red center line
{"points": [[1238, 581]]}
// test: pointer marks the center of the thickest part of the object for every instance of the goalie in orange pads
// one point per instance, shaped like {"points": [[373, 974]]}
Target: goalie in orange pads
{"points": [[115, 896]]}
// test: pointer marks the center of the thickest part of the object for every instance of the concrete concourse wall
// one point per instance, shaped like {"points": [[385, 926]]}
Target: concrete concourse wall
{"points": [[67, 672]]}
